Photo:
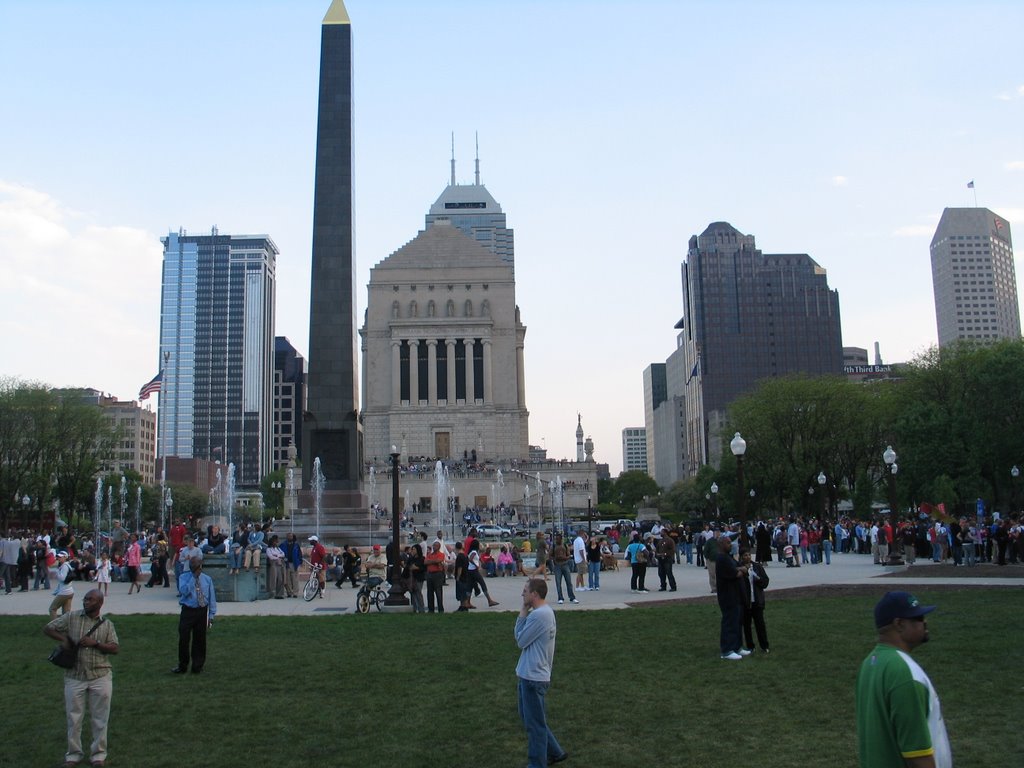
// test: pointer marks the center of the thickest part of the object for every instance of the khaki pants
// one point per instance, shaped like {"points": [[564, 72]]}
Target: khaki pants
{"points": [[98, 693], [712, 580], [275, 579], [63, 602], [252, 558], [291, 580]]}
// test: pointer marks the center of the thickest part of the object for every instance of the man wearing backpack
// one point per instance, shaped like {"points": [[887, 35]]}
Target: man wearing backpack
{"points": [[63, 592]]}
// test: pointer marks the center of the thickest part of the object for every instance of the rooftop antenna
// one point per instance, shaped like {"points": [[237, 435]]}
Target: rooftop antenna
{"points": [[453, 159], [477, 135]]}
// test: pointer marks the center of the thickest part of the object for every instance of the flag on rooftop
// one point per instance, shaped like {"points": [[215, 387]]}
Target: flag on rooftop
{"points": [[970, 184]]}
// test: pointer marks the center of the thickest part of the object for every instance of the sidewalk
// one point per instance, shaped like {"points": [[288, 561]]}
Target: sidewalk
{"points": [[614, 592]]}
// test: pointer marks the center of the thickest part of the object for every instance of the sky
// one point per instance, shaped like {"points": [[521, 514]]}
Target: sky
{"points": [[609, 132]]}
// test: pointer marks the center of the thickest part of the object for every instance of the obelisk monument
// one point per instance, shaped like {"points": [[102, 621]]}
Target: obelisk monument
{"points": [[331, 428]]}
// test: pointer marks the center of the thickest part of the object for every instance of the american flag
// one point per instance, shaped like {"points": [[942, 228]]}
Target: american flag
{"points": [[153, 386], [970, 185]]}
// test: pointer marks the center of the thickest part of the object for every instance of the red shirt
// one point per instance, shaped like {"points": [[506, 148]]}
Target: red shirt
{"points": [[178, 536], [316, 553]]}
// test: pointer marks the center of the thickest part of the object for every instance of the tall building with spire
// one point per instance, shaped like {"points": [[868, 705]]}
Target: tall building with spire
{"points": [[580, 452], [973, 277], [471, 209]]}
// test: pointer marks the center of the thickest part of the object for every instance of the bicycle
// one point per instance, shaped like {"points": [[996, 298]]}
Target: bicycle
{"points": [[312, 590], [371, 593]]}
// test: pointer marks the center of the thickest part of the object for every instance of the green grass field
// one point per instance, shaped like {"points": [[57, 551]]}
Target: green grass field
{"points": [[636, 687]]}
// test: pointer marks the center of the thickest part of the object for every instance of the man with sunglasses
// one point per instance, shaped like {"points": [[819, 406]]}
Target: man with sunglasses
{"points": [[899, 719]]}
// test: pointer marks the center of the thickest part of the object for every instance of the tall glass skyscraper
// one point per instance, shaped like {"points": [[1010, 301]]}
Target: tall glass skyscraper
{"points": [[217, 351]]}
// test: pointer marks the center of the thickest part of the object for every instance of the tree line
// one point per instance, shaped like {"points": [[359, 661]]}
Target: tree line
{"points": [[952, 416]]}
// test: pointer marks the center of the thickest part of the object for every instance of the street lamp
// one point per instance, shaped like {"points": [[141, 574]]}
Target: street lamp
{"points": [[821, 482], [1014, 473], [26, 502], [396, 595], [714, 496], [590, 520], [738, 446], [889, 457]]}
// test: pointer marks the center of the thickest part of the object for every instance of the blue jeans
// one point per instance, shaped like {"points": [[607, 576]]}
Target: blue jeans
{"points": [[688, 549], [827, 548], [563, 571], [593, 575], [235, 558], [541, 743]]}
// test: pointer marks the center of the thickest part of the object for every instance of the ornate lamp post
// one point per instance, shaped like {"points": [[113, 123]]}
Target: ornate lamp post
{"points": [[714, 498], [590, 519], [26, 502], [889, 457], [1014, 473], [821, 486], [738, 446], [396, 595]]}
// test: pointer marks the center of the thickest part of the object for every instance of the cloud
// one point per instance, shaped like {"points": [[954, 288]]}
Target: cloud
{"points": [[840, 181], [1015, 165], [79, 300], [1010, 95]]}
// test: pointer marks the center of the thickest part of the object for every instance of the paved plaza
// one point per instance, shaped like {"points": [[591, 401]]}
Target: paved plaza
{"points": [[614, 593]]}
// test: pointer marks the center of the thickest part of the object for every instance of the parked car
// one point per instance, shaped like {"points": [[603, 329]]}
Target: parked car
{"points": [[487, 531]]}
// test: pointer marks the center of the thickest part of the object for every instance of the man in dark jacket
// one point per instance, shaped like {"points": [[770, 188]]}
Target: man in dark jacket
{"points": [[729, 576], [753, 586]]}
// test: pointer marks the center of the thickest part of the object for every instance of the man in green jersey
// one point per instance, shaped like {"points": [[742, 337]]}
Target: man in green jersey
{"points": [[899, 720]]}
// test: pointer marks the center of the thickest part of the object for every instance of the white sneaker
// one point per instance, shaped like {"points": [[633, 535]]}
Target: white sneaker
{"points": [[560, 602], [744, 652], [574, 600], [733, 656]]}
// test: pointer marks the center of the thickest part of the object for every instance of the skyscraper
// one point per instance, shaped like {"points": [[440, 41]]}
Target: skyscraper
{"points": [[471, 209], [289, 401], [216, 350], [331, 431], [973, 277], [748, 316], [634, 449], [655, 392]]}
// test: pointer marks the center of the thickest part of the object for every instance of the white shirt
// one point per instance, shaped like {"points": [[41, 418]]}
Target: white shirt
{"points": [[579, 550]]}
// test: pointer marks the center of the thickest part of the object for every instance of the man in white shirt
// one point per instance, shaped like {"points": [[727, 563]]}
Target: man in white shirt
{"points": [[579, 557]]}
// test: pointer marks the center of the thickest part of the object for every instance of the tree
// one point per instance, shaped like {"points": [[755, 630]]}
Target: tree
{"points": [[273, 498], [631, 488]]}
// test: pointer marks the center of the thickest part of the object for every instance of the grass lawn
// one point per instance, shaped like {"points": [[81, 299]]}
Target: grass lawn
{"points": [[631, 688]]}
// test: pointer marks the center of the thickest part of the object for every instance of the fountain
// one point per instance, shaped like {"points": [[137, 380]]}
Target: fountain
{"points": [[442, 494], [97, 510], [229, 498], [124, 501], [317, 481], [373, 486], [110, 509], [501, 490], [138, 507]]}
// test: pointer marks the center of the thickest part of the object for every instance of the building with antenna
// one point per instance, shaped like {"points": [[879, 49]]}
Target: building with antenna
{"points": [[471, 209]]}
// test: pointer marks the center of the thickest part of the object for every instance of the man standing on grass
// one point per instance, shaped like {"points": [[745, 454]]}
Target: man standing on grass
{"points": [[198, 607], [899, 720], [89, 680], [730, 600], [535, 636]]}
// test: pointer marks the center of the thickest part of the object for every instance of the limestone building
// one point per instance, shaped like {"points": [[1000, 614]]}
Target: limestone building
{"points": [[443, 347]]}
